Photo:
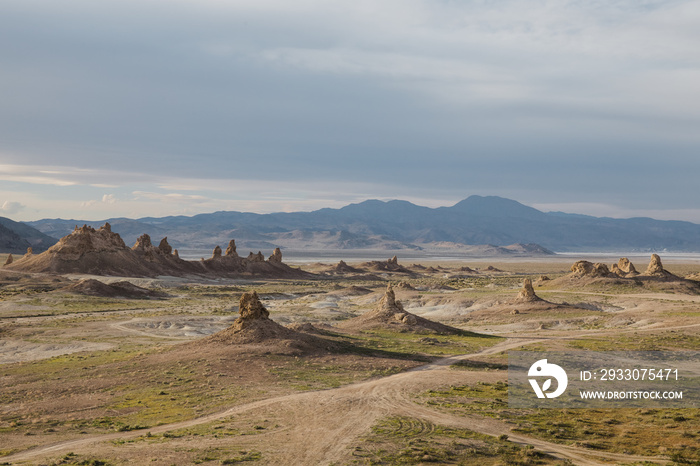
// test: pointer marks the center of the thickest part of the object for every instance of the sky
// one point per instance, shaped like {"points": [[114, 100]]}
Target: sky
{"points": [[178, 107]]}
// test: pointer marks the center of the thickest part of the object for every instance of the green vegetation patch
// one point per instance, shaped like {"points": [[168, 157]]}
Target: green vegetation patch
{"points": [[670, 340], [651, 432]]}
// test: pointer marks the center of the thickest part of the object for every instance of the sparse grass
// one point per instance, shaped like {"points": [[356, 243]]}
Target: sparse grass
{"points": [[406, 440], [415, 344], [648, 432], [671, 340]]}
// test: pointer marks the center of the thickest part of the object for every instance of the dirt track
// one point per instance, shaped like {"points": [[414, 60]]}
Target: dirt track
{"points": [[323, 425]]}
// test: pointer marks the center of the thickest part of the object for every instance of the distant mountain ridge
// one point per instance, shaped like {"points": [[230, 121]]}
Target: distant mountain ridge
{"points": [[16, 237], [375, 224]]}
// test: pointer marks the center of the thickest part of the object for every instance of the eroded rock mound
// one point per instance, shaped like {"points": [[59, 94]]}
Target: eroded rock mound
{"points": [[527, 293], [656, 269], [390, 313], [164, 247], [232, 265], [123, 289], [582, 269], [624, 268], [9, 259], [276, 256], [256, 257], [390, 265], [254, 327], [231, 249], [343, 267], [103, 252]]}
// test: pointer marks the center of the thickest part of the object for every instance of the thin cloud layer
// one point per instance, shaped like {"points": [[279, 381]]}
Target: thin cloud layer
{"points": [[580, 102]]}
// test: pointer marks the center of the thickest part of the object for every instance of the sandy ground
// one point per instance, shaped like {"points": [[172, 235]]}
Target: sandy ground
{"points": [[321, 427]]}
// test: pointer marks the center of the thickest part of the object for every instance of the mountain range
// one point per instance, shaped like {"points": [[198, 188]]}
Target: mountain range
{"points": [[392, 225], [16, 237]]}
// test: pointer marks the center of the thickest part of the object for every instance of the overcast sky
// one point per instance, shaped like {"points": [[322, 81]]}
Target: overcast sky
{"points": [[154, 107]]}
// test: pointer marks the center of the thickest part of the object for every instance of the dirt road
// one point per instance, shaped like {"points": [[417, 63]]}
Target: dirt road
{"points": [[322, 426]]}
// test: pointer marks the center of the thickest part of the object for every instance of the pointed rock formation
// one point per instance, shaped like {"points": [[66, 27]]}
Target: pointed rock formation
{"points": [[390, 313], [394, 260], [276, 257], [254, 327], [231, 249], [217, 253], [30, 251], [256, 257], [527, 293], [165, 247], [9, 259], [250, 308], [656, 269], [143, 243], [176, 254]]}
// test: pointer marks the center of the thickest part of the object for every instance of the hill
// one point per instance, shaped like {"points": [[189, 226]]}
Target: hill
{"points": [[373, 224], [16, 237]]}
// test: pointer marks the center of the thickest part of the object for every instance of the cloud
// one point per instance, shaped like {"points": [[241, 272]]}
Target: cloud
{"points": [[277, 105], [11, 207]]}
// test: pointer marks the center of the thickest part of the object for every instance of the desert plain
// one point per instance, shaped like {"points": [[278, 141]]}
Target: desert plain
{"points": [[378, 362]]}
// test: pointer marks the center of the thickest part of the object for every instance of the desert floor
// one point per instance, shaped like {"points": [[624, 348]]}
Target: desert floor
{"points": [[90, 379]]}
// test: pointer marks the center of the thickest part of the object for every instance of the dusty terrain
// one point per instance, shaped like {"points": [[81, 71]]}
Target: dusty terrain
{"points": [[94, 377]]}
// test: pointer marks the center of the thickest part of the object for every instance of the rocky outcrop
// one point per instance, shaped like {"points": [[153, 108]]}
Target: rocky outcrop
{"points": [[143, 243], [276, 256], [527, 293], [164, 247], [231, 249], [656, 269], [582, 269], [122, 289], [254, 327], [390, 265], [9, 259], [250, 308], [30, 251], [390, 313], [624, 268], [256, 257], [103, 252], [343, 267]]}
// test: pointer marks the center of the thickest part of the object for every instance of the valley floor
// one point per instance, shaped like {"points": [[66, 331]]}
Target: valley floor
{"points": [[90, 379]]}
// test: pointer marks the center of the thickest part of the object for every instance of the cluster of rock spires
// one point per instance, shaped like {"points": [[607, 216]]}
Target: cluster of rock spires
{"points": [[103, 252], [623, 269]]}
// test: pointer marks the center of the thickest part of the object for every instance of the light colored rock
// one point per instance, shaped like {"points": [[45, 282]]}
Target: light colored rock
{"points": [[276, 256], [527, 292], [589, 269], [231, 249]]}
